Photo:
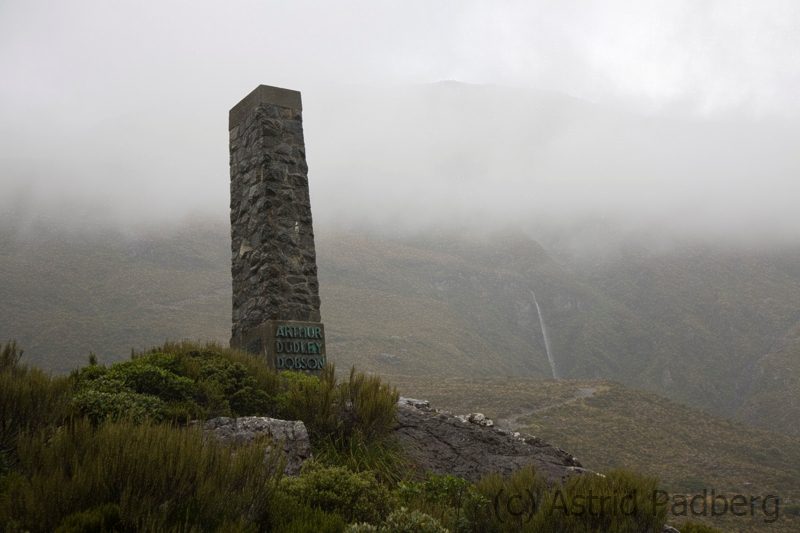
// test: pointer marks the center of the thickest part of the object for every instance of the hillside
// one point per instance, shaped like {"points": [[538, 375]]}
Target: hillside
{"points": [[716, 312], [607, 425], [119, 448], [773, 401], [691, 323]]}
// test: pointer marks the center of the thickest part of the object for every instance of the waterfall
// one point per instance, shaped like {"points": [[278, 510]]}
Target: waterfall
{"points": [[547, 349]]}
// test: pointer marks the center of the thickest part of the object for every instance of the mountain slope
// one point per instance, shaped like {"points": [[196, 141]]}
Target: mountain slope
{"points": [[773, 401], [689, 323]]}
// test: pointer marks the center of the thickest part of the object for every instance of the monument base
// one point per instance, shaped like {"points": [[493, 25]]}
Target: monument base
{"points": [[286, 344]]}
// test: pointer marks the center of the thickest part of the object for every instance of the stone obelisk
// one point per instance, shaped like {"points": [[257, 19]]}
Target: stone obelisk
{"points": [[274, 267]]}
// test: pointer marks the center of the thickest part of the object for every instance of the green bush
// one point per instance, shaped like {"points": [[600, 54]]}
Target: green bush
{"points": [[361, 527], [404, 521], [356, 496], [183, 381], [453, 501], [101, 405], [401, 520], [146, 378], [180, 385], [436, 489]]}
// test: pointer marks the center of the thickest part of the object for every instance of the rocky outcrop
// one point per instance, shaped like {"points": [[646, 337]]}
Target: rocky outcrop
{"points": [[471, 446], [468, 446], [290, 435]]}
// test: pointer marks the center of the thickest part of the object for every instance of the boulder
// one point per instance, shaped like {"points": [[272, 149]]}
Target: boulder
{"points": [[290, 436]]}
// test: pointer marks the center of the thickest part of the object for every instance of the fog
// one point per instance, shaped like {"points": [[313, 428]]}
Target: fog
{"points": [[681, 118]]}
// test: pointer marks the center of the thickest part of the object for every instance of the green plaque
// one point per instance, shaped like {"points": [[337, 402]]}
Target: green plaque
{"points": [[287, 344]]}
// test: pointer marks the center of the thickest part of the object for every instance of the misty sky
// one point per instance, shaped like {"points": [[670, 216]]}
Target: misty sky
{"points": [[678, 113]]}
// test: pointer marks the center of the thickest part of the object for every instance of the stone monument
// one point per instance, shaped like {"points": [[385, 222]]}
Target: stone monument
{"points": [[274, 267]]}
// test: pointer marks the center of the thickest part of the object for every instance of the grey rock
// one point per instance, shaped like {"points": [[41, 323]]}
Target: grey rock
{"points": [[413, 402], [442, 443], [290, 435], [480, 419]]}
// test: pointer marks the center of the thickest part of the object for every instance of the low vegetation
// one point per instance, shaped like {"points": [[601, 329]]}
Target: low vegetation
{"points": [[111, 449]]}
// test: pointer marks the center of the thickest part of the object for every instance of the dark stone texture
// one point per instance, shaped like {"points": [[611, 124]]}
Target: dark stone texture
{"points": [[272, 239], [264, 94], [471, 447]]}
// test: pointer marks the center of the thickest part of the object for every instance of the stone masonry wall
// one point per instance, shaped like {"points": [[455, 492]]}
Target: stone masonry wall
{"points": [[272, 241]]}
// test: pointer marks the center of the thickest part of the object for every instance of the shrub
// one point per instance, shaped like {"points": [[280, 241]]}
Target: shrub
{"points": [[191, 357], [146, 378], [361, 527], [439, 489], [98, 405], [405, 521], [184, 381], [453, 501], [181, 385], [356, 496]]}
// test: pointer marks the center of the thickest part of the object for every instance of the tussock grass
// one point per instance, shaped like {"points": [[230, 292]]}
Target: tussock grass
{"points": [[159, 477], [29, 400]]}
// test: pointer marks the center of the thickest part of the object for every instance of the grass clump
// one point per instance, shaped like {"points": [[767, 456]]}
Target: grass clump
{"points": [[362, 406], [157, 476], [29, 400]]}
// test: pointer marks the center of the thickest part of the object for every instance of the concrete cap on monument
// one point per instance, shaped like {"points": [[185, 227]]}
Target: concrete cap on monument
{"points": [[263, 94]]}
